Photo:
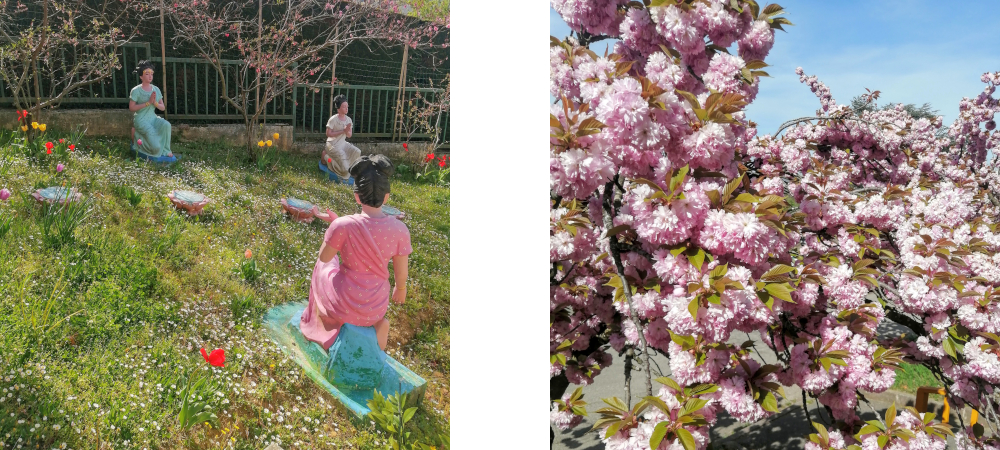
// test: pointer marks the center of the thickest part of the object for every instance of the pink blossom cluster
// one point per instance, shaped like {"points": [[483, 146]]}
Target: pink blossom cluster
{"points": [[810, 238]]}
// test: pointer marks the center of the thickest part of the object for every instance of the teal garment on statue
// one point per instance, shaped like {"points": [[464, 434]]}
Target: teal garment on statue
{"points": [[153, 130]]}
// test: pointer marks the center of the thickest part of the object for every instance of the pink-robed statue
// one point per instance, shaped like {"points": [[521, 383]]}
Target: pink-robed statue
{"points": [[356, 289]]}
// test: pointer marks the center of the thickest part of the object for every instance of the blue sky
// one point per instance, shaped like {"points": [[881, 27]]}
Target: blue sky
{"points": [[912, 51]]}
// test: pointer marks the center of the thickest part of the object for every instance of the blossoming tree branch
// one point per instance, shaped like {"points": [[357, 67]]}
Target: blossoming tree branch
{"points": [[33, 60], [676, 227], [281, 44]]}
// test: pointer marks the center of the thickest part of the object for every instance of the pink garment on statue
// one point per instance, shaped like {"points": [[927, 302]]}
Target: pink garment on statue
{"points": [[356, 290]]}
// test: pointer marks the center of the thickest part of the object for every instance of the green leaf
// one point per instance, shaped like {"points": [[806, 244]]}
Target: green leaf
{"points": [[868, 429], [613, 429], [772, 10], [778, 269], [949, 347], [822, 431], [411, 411], [697, 259], [618, 230], [706, 388], [616, 403], [876, 424], [687, 440], [693, 308], [678, 179], [692, 405], [659, 432], [670, 382], [882, 441], [691, 98], [719, 271], [770, 403], [659, 403], [890, 415], [782, 291]]}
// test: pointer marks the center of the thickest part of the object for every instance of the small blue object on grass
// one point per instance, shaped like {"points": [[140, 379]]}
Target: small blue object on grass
{"points": [[57, 193], [299, 204], [333, 177], [392, 211], [157, 159], [352, 369]]}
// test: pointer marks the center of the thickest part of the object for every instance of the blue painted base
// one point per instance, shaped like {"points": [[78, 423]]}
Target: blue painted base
{"points": [[355, 359], [282, 322], [156, 159], [333, 177]]}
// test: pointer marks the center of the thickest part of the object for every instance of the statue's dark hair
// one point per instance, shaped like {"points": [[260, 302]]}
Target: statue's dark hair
{"points": [[143, 65], [339, 100], [371, 179]]}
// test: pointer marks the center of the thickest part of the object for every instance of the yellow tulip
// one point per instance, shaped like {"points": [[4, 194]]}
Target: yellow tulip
{"points": [[269, 143], [260, 144], [41, 127], [24, 128], [276, 136], [34, 125]]}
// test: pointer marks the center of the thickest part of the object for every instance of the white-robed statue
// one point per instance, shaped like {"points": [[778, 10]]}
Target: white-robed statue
{"points": [[340, 155]]}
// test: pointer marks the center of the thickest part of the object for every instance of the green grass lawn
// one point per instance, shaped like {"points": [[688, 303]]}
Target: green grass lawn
{"points": [[911, 377], [145, 287]]}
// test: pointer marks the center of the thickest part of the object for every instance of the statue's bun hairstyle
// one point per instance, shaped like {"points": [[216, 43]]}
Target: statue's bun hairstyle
{"points": [[339, 100], [371, 179], [143, 65]]}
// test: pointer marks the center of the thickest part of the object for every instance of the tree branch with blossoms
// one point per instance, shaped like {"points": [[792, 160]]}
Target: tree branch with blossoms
{"points": [[69, 44], [293, 44]]}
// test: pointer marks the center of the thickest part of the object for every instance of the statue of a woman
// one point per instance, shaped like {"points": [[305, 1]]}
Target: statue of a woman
{"points": [[152, 133], [340, 155], [356, 289]]}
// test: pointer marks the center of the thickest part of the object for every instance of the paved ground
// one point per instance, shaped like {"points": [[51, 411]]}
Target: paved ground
{"points": [[787, 430]]}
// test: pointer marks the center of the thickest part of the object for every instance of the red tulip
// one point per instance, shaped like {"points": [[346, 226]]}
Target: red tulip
{"points": [[429, 157], [61, 141], [217, 358], [71, 147], [404, 147], [48, 152], [49, 146]]}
